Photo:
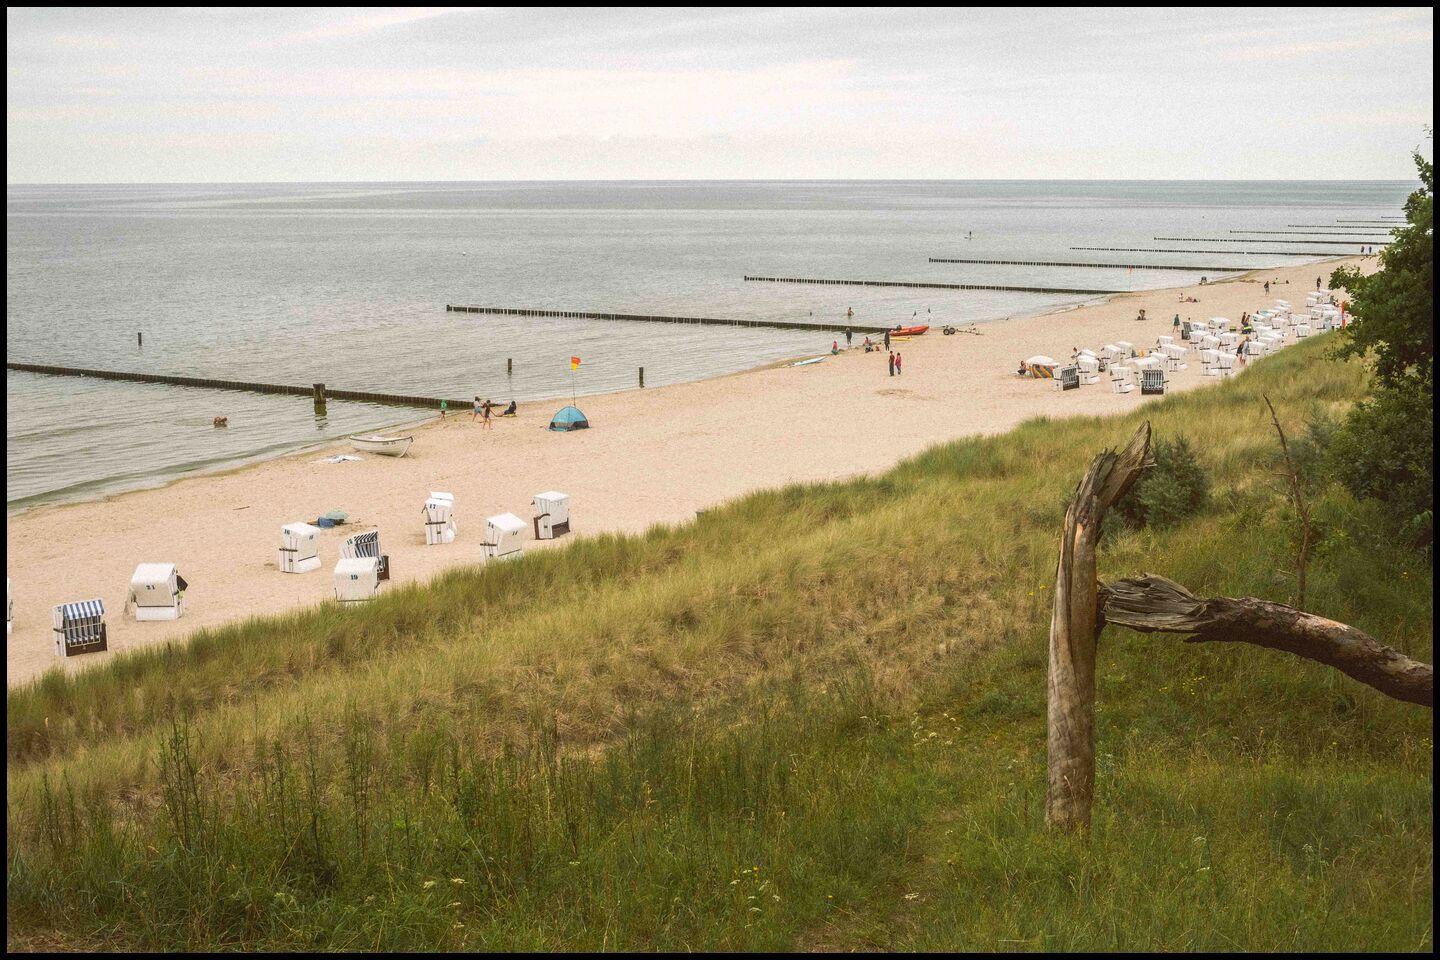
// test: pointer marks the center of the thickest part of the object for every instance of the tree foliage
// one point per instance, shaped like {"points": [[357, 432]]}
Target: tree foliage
{"points": [[1385, 449], [1392, 312]]}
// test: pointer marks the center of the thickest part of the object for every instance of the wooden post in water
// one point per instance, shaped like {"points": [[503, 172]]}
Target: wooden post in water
{"points": [[139, 338], [642, 378], [1070, 733], [509, 366], [318, 391]]}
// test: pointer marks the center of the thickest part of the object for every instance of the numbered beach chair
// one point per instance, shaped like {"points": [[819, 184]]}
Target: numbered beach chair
{"points": [[157, 592], [357, 579], [1067, 378], [299, 548], [504, 535], [1121, 379], [362, 545], [439, 512], [80, 628], [552, 515]]}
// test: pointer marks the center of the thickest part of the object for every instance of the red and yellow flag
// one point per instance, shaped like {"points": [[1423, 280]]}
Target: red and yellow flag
{"points": [[574, 362]]}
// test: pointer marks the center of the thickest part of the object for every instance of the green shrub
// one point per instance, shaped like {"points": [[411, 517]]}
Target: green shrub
{"points": [[1385, 451], [1176, 487]]}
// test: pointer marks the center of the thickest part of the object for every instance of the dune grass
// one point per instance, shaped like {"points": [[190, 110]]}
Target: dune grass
{"points": [[813, 718]]}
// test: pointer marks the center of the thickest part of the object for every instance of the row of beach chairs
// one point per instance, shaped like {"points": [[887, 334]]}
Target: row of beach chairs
{"points": [[157, 591]]}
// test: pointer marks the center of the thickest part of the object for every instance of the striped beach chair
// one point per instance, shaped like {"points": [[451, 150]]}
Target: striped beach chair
{"points": [[1152, 382], [361, 545], [80, 628]]}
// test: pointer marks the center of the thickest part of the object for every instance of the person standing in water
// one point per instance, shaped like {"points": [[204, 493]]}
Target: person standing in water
{"points": [[848, 337]]}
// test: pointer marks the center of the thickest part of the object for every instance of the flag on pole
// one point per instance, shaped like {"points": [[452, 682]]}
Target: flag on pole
{"points": [[574, 363]]}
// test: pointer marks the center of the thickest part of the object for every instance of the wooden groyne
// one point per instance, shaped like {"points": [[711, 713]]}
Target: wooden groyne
{"points": [[648, 318], [319, 391], [932, 286], [1327, 243], [1238, 253], [1098, 266], [1343, 235]]}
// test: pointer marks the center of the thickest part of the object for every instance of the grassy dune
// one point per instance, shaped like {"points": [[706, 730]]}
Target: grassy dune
{"points": [[813, 718]]}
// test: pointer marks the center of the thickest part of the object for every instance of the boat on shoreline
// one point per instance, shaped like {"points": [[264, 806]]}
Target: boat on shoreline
{"points": [[382, 446], [909, 331]]}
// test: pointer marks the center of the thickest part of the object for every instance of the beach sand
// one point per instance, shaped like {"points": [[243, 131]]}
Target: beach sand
{"points": [[652, 456]]}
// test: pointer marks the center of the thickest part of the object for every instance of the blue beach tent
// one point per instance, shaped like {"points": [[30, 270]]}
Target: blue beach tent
{"points": [[568, 419]]}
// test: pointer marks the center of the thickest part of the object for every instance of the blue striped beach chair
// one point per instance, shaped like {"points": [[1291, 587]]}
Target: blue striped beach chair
{"points": [[80, 628]]}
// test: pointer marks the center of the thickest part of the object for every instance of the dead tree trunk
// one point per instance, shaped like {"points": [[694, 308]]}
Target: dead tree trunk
{"points": [[1073, 628], [1155, 604]]}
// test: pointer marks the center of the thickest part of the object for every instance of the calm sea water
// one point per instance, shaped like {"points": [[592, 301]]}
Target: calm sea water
{"points": [[347, 284]]}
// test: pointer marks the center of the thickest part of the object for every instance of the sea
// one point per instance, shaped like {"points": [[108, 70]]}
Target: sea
{"points": [[347, 284]]}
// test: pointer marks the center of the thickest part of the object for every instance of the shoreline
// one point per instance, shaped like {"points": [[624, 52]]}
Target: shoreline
{"points": [[255, 460], [655, 455]]}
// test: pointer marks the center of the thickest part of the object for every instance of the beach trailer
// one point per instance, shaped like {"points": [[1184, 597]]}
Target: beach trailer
{"points": [[80, 628], [552, 514], [503, 535], [357, 579], [1120, 379], [1089, 369], [439, 513], [299, 548], [361, 545], [1152, 382], [1068, 378], [157, 592]]}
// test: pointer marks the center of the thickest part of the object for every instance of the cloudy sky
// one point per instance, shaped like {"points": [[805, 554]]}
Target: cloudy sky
{"points": [[483, 94]]}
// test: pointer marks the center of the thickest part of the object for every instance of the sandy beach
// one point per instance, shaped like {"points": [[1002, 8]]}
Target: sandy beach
{"points": [[652, 456]]}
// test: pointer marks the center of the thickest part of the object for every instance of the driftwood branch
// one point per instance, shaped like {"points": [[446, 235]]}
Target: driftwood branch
{"points": [[1070, 728], [1155, 604]]}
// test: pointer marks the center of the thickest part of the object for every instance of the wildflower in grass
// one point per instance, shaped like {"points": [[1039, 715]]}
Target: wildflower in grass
{"points": [[458, 881], [428, 884]]}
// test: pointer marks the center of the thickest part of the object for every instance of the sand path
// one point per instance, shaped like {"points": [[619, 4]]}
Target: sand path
{"points": [[652, 456]]}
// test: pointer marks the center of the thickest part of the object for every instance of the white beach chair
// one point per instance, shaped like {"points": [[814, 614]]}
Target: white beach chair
{"points": [[1174, 356], [1089, 369], [357, 579], [1302, 330], [1210, 363], [157, 592], [1153, 382], [552, 514], [504, 536], [80, 628], [299, 548], [1121, 379], [439, 512]]}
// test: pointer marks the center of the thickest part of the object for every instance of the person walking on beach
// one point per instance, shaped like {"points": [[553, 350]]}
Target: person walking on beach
{"points": [[478, 405], [892, 361], [848, 337], [1317, 283], [898, 371], [485, 414]]}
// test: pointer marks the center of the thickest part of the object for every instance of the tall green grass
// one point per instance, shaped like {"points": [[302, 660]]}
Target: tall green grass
{"points": [[811, 718]]}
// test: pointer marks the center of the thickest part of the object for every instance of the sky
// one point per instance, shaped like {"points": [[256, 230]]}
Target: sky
{"points": [[470, 93]]}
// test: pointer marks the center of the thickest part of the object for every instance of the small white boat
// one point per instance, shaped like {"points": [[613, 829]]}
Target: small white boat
{"points": [[382, 446]]}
